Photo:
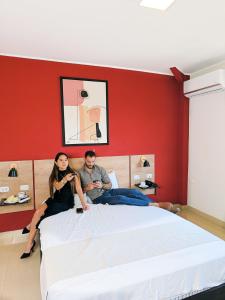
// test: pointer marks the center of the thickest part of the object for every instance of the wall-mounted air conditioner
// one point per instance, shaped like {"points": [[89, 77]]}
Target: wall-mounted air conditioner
{"points": [[210, 82]]}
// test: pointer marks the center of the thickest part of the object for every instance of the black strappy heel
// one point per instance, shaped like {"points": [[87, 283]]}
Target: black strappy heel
{"points": [[25, 230], [27, 254]]}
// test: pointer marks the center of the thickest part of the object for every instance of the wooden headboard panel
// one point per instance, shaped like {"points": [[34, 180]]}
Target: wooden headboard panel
{"points": [[25, 177], [119, 164], [143, 172], [43, 168]]}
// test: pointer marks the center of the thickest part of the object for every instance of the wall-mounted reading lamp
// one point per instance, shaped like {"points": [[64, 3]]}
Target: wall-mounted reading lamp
{"points": [[13, 171]]}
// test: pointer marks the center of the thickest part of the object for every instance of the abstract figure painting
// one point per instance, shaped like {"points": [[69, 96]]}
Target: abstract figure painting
{"points": [[84, 111]]}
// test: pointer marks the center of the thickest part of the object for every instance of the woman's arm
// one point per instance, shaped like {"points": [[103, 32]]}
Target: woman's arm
{"points": [[80, 193], [59, 184]]}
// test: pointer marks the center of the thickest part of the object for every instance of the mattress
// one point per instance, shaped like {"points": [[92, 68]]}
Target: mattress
{"points": [[127, 252]]}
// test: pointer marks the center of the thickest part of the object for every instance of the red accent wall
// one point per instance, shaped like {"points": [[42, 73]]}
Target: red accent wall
{"points": [[147, 114]]}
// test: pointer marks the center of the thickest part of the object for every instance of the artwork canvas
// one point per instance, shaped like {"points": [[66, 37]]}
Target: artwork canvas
{"points": [[84, 111]]}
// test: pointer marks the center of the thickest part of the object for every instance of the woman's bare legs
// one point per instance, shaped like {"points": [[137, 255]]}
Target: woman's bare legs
{"points": [[32, 226]]}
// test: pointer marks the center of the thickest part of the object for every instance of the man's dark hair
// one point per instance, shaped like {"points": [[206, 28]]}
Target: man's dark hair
{"points": [[89, 153]]}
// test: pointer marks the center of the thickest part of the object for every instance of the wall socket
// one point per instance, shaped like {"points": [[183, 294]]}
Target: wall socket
{"points": [[4, 189], [137, 177], [149, 176], [24, 187]]}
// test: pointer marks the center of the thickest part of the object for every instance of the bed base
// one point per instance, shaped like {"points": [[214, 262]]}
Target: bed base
{"points": [[215, 293]]}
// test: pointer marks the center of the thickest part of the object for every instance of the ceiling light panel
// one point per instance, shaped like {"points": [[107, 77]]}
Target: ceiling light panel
{"points": [[157, 4]]}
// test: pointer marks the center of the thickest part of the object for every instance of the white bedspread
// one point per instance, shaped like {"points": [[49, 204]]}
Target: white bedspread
{"points": [[127, 252]]}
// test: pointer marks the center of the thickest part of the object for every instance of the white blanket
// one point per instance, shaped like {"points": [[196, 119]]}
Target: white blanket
{"points": [[127, 252]]}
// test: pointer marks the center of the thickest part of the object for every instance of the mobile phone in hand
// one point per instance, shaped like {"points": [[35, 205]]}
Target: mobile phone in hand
{"points": [[80, 210]]}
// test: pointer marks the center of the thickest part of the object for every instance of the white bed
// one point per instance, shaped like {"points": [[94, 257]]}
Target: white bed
{"points": [[127, 252]]}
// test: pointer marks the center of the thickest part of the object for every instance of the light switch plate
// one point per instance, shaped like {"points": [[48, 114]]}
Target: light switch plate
{"points": [[149, 176], [24, 187], [137, 177], [4, 189]]}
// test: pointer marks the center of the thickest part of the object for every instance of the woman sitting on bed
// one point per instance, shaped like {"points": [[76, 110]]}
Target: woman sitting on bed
{"points": [[65, 182]]}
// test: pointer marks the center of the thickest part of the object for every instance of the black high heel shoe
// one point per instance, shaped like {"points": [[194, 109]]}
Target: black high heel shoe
{"points": [[27, 254], [25, 230]]}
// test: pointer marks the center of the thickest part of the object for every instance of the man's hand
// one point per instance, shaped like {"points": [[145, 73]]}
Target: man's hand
{"points": [[98, 184], [90, 186]]}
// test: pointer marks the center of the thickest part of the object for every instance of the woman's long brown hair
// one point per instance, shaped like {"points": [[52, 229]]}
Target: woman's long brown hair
{"points": [[55, 174]]}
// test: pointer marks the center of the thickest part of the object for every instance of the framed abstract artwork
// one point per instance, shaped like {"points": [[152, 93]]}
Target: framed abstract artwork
{"points": [[84, 111]]}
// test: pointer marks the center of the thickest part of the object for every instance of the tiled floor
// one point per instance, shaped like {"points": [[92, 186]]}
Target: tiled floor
{"points": [[19, 279]]}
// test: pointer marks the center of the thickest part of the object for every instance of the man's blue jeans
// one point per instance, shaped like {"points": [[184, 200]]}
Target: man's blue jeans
{"points": [[123, 196]]}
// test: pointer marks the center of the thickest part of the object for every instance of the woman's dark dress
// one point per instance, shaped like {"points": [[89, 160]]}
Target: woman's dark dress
{"points": [[62, 200]]}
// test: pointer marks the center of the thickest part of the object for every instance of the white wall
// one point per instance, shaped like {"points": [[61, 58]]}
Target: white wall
{"points": [[220, 65], [206, 179]]}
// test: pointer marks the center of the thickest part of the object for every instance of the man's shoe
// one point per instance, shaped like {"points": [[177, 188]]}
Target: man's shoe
{"points": [[175, 209]]}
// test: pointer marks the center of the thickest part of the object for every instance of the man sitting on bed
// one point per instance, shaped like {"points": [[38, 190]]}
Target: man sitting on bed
{"points": [[96, 183]]}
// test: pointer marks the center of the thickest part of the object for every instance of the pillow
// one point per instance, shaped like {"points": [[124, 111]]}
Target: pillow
{"points": [[113, 179], [77, 200], [88, 199]]}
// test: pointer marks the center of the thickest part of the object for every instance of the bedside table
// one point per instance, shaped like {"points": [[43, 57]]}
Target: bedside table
{"points": [[145, 190]]}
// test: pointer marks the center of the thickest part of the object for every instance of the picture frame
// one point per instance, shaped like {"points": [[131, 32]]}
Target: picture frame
{"points": [[84, 106]]}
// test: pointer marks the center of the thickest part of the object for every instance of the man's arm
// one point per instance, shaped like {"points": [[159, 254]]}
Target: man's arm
{"points": [[107, 186], [85, 187], [88, 187], [106, 183]]}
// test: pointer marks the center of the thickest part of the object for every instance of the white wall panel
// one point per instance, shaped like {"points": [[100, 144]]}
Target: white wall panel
{"points": [[206, 179]]}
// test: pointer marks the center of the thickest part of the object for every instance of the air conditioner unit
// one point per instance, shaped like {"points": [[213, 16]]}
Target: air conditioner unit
{"points": [[210, 82]]}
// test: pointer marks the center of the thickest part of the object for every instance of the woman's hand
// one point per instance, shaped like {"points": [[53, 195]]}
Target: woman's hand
{"points": [[85, 206], [69, 177], [81, 194]]}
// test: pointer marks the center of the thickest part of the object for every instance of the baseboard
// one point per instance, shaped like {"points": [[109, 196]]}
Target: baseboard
{"points": [[204, 215]]}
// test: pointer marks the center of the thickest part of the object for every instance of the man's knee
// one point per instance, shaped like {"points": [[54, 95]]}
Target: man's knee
{"points": [[119, 199], [135, 192]]}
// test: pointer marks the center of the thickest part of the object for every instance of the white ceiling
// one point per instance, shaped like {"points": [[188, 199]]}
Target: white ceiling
{"points": [[119, 33]]}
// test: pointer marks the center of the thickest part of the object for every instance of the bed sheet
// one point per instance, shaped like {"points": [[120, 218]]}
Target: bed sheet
{"points": [[125, 252]]}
